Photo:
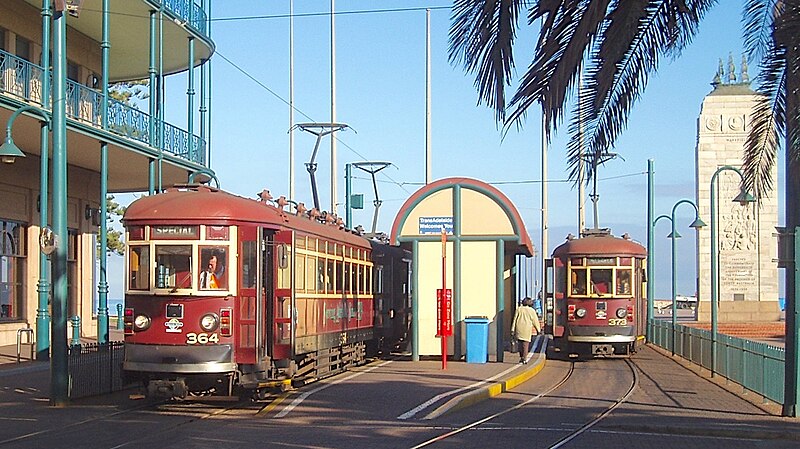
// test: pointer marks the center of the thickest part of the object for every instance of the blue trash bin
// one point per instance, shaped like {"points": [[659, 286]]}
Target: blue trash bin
{"points": [[477, 339]]}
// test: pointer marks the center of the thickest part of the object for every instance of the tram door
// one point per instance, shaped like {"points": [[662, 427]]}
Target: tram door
{"points": [[555, 286], [250, 311], [547, 296], [281, 309]]}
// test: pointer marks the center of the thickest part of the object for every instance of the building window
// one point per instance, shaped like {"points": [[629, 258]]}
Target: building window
{"points": [[12, 270], [73, 71], [73, 298], [3, 45], [23, 48]]}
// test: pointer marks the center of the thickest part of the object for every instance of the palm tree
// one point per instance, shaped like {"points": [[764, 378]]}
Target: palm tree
{"points": [[614, 45]]}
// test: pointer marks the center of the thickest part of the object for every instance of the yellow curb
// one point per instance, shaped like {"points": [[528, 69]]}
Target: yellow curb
{"points": [[473, 397]]}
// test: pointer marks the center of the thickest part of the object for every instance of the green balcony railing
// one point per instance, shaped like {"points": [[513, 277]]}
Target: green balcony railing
{"points": [[189, 11], [23, 79], [756, 366]]}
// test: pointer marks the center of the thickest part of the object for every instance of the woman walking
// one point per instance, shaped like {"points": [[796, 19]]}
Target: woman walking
{"points": [[526, 321]]}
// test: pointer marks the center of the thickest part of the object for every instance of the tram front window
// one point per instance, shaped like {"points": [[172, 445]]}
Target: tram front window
{"points": [[601, 281], [623, 282], [579, 281], [139, 268], [174, 266]]}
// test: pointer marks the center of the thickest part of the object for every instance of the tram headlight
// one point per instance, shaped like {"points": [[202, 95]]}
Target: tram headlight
{"points": [[142, 322], [209, 322], [621, 312], [580, 313]]}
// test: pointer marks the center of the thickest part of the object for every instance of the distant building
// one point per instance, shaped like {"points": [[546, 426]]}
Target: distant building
{"points": [[144, 152], [748, 274]]}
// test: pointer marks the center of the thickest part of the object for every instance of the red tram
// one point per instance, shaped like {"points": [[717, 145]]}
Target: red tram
{"points": [[225, 293], [595, 300]]}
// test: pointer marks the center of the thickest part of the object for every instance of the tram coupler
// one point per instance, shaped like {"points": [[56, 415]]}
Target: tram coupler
{"points": [[167, 389], [603, 349]]}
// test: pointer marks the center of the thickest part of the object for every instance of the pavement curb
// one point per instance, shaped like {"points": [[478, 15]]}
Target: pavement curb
{"points": [[494, 389], [27, 367], [749, 434]]}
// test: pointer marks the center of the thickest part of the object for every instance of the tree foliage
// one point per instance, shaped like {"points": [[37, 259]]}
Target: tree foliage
{"points": [[115, 242], [614, 46]]}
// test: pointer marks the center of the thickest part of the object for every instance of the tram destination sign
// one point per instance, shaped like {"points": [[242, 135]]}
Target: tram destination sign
{"points": [[433, 225], [174, 232]]}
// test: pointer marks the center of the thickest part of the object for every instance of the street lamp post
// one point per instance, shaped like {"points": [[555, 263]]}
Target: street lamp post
{"points": [[651, 274], [743, 198], [697, 224]]}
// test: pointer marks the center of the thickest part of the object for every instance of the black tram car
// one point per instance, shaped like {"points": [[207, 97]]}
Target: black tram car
{"points": [[595, 301], [226, 294]]}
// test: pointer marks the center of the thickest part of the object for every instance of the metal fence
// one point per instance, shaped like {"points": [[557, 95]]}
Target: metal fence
{"points": [[756, 366], [95, 369]]}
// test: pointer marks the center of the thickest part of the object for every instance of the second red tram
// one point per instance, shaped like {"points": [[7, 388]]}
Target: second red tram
{"points": [[595, 295], [225, 293]]}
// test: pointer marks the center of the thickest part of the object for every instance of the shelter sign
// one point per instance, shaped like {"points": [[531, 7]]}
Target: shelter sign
{"points": [[433, 225]]}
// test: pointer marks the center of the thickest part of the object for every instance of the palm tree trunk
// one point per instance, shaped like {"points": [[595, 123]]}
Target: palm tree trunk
{"points": [[792, 211]]}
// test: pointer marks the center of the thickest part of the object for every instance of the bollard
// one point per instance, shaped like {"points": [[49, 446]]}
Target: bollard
{"points": [[76, 330], [120, 321]]}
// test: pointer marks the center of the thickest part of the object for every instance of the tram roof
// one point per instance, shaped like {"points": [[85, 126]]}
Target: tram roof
{"points": [[206, 205], [600, 244]]}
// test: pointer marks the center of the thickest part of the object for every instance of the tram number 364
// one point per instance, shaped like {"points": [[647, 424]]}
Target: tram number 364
{"points": [[201, 338], [617, 322]]}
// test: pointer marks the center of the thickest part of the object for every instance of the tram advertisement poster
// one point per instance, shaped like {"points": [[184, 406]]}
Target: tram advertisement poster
{"points": [[444, 312]]}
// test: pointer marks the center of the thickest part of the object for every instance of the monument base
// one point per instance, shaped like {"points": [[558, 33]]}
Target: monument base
{"points": [[740, 311]]}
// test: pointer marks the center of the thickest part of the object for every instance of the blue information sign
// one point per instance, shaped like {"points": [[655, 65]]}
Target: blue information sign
{"points": [[433, 225]]}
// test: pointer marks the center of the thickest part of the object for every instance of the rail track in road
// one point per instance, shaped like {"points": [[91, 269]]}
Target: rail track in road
{"points": [[550, 392]]}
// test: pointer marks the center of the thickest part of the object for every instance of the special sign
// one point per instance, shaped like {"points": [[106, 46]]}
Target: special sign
{"points": [[444, 312]]}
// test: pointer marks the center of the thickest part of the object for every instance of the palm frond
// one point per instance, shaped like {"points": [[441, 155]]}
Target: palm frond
{"points": [[758, 22], [613, 87], [482, 38], [558, 59], [767, 123]]}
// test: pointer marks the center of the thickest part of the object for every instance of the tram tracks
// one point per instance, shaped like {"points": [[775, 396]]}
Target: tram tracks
{"points": [[562, 442]]}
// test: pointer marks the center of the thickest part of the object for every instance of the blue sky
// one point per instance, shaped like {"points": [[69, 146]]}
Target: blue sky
{"points": [[380, 61]]}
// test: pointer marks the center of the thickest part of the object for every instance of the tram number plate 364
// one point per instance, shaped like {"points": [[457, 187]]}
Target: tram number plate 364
{"points": [[617, 322], [201, 338]]}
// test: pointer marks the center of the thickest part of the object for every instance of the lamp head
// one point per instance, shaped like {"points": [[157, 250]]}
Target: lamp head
{"points": [[697, 223], [744, 197], [10, 152], [674, 235]]}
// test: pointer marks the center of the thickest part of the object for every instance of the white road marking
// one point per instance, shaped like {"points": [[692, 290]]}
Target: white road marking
{"points": [[305, 395]]}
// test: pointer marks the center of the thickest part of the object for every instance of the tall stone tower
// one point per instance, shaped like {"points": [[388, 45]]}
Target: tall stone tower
{"points": [[748, 275]]}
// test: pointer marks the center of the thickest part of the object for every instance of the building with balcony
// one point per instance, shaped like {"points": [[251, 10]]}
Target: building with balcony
{"points": [[111, 146]]}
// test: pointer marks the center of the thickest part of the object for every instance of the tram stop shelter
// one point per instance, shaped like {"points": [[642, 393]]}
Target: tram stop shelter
{"points": [[484, 233]]}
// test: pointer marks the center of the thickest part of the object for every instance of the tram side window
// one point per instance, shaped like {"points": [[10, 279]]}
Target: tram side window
{"points": [[249, 264], [214, 262], [321, 275], [174, 266], [578, 281], [623, 282], [139, 267], [601, 281]]}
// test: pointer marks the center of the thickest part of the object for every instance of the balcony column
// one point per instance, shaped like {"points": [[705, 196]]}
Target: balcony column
{"points": [[151, 71], [190, 101], [102, 288], [59, 375], [43, 286]]}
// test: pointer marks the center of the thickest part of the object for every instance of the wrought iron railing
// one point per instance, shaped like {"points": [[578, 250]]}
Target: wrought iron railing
{"points": [[95, 369], [189, 11], [756, 366], [23, 79]]}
